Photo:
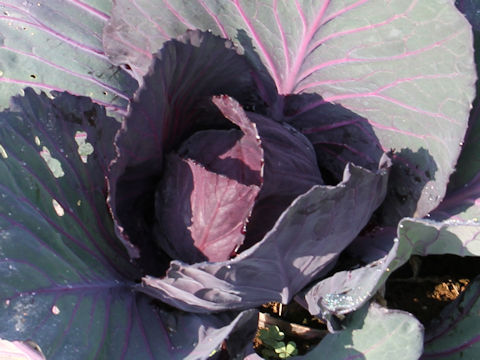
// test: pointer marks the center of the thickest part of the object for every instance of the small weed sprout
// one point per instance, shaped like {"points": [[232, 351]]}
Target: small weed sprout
{"points": [[274, 346]]}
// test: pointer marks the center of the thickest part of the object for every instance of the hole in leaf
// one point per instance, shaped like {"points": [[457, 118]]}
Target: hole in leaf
{"points": [[84, 148], [55, 310], [58, 208], [53, 164], [3, 152]]}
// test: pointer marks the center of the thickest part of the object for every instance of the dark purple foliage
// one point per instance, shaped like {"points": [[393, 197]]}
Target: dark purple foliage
{"points": [[203, 202], [267, 141]]}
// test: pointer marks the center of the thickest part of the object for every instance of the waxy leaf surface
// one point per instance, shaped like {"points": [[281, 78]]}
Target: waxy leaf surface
{"points": [[374, 333], [56, 45]]}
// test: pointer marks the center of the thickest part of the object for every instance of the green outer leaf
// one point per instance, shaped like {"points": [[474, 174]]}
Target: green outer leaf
{"points": [[426, 237], [452, 228], [468, 164], [57, 45], [455, 335], [373, 333]]}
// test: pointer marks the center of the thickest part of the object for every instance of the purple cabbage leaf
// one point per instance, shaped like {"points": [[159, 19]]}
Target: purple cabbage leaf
{"points": [[67, 282], [304, 241], [348, 290], [56, 45], [210, 207]]}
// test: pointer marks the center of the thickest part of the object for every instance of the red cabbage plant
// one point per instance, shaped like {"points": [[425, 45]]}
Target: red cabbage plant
{"points": [[168, 167]]}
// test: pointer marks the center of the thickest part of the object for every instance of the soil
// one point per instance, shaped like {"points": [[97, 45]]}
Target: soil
{"points": [[423, 287], [440, 280]]}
